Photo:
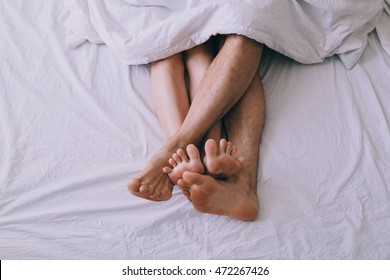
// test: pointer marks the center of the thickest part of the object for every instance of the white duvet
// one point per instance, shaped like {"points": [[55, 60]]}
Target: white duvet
{"points": [[142, 31], [383, 28], [77, 124]]}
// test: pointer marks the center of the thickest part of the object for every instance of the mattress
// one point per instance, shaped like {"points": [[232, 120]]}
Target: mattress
{"points": [[77, 124]]}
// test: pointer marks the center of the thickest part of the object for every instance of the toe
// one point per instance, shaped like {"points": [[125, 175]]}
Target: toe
{"points": [[211, 148], [223, 145], [165, 195], [154, 192], [183, 184], [172, 162], [144, 189], [176, 158], [167, 170], [192, 178], [187, 194], [133, 186], [182, 155], [229, 148], [154, 196], [193, 152]]}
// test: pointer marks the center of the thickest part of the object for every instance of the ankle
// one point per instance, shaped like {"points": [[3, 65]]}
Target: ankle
{"points": [[248, 179], [177, 141]]}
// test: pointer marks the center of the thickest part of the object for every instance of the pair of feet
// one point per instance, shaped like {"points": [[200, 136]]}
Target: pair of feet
{"points": [[232, 196], [219, 162]]}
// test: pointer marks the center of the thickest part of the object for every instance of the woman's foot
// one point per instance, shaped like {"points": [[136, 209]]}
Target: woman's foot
{"points": [[182, 161], [222, 161]]}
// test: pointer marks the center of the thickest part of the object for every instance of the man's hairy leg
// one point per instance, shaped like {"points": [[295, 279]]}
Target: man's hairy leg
{"points": [[235, 197], [224, 83]]}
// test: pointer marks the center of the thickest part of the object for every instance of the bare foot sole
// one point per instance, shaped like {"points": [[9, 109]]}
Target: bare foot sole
{"points": [[222, 161], [231, 197], [152, 183], [182, 161]]}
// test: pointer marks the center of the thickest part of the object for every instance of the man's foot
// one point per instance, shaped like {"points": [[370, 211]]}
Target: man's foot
{"points": [[152, 183], [222, 161], [180, 163], [233, 197]]}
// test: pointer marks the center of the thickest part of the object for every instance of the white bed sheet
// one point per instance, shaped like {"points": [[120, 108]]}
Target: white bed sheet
{"points": [[75, 125]]}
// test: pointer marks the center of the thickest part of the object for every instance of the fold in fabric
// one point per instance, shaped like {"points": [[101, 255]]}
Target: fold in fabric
{"points": [[308, 31], [383, 28]]}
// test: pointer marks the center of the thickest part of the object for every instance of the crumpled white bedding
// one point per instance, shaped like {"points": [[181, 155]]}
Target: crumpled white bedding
{"points": [[76, 124], [383, 27], [143, 31]]}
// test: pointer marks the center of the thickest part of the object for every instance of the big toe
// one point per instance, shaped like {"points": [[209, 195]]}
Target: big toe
{"points": [[192, 178], [193, 152], [165, 194], [211, 148], [133, 186]]}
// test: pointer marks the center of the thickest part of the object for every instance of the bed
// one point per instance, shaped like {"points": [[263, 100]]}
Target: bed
{"points": [[76, 123]]}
